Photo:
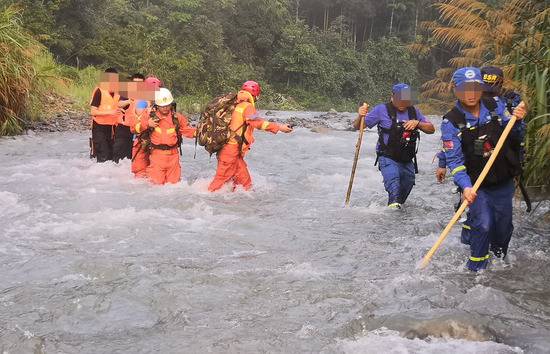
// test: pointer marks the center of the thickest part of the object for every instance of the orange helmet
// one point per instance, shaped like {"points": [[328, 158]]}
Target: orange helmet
{"points": [[253, 87]]}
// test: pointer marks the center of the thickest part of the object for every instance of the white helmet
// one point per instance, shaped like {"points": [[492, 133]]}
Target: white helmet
{"points": [[163, 97]]}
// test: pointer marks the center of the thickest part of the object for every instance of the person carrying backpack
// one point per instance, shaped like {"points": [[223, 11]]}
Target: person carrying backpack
{"points": [[469, 133], [231, 130], [161, 135], [399, 123]]}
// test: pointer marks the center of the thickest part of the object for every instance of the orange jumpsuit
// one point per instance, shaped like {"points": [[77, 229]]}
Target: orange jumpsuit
{"points": [[164, 164], [140, 157], [231, 164]]}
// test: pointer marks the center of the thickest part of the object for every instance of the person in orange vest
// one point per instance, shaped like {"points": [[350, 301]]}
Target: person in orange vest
{"points": [[166, 128], [105, 108], [140, 155], [231, 164], [122, 148], [140, 159]]}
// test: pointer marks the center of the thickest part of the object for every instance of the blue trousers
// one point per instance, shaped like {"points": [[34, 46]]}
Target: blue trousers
{"points": [[490, 221], [398, 179]]}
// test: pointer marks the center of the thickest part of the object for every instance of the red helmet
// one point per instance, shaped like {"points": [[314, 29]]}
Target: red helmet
{"points": [[153, 81], [253, 87]]}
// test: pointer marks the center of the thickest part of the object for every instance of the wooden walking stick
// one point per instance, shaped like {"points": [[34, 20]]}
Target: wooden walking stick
{"points": [[357, 150], [484, 172]]}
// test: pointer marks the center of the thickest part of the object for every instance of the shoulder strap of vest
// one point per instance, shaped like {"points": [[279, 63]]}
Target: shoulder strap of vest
{"points": [[392, 112], [491, 104], [176, 122], [412, 113], [457, 118]]}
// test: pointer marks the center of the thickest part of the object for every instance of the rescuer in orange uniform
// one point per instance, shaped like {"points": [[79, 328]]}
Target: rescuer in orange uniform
{"points": [[140, 155], [166, 130], [231, 164]]}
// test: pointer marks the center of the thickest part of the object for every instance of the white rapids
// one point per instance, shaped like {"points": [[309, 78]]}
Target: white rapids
{"points": [[94, 261]]}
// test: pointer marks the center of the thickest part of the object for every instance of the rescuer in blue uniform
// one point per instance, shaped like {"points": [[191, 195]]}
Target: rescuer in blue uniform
{"points": [[399, 123], [469, 133], [493, 80]]}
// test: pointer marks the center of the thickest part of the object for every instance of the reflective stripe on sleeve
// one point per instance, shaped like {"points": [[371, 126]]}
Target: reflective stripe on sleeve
{"points": [[458, 169], [265, 125]]}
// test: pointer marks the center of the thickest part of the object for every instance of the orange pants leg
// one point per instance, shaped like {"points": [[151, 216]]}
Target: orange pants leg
{"points": [[156, 170], [173, 168], [140, 161], [242, 176], [227, 168]]}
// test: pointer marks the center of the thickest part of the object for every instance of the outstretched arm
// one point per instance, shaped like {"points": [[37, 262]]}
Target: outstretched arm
{"points": [[185, 129]]}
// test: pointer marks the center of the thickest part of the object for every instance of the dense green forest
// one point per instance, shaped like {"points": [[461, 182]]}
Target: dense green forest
{"points": [[307, 54], [322, 53]]}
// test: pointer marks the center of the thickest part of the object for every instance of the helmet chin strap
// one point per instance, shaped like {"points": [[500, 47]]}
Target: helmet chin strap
{"points": [[250, 98]]}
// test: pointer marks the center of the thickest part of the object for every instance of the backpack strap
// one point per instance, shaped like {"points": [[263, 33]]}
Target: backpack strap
{"points": [[411, 110], [457, 118], [392, 112], [491, 104], [176, 123]]}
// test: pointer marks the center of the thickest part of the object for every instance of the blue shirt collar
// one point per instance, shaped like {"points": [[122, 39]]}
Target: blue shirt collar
{"points": [[484, 114]]}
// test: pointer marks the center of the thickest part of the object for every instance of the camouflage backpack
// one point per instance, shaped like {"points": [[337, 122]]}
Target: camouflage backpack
{"points": [[213, 131]]}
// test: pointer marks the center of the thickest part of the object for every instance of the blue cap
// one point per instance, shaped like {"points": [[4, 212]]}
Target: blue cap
{"points": [[400, 87], [467, 74], [141, 105]]}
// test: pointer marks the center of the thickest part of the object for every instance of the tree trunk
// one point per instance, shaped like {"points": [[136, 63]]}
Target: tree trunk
{"points": [[371, 28], [325, 21], [354, 35], [391, 18], [297, 10], [341, 22], [416, 20]]}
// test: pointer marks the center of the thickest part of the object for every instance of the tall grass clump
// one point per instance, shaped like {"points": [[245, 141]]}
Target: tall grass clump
{"points": [[80, 84], [532, 72], [27, 73]]}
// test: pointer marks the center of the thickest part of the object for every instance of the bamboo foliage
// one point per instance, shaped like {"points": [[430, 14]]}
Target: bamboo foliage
{"points": [[514, 35]]}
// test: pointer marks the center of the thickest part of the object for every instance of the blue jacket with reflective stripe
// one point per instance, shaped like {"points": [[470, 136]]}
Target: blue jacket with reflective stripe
{"points": [[453, 156]]}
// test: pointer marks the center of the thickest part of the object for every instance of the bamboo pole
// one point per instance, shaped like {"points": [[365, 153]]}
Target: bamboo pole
{"points": [[357, 151], [479, 181]]}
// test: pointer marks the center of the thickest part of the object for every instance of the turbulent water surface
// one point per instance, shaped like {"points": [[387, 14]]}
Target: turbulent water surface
{"points": [[94, 261]]}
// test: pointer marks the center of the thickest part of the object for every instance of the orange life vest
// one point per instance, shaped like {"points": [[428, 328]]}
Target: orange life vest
{"points": [[108, 103], [165, 134], [129, 117], [238, 119]]}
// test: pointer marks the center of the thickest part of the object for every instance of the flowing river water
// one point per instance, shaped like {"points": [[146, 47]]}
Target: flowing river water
{"points": [[94, 261]]}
